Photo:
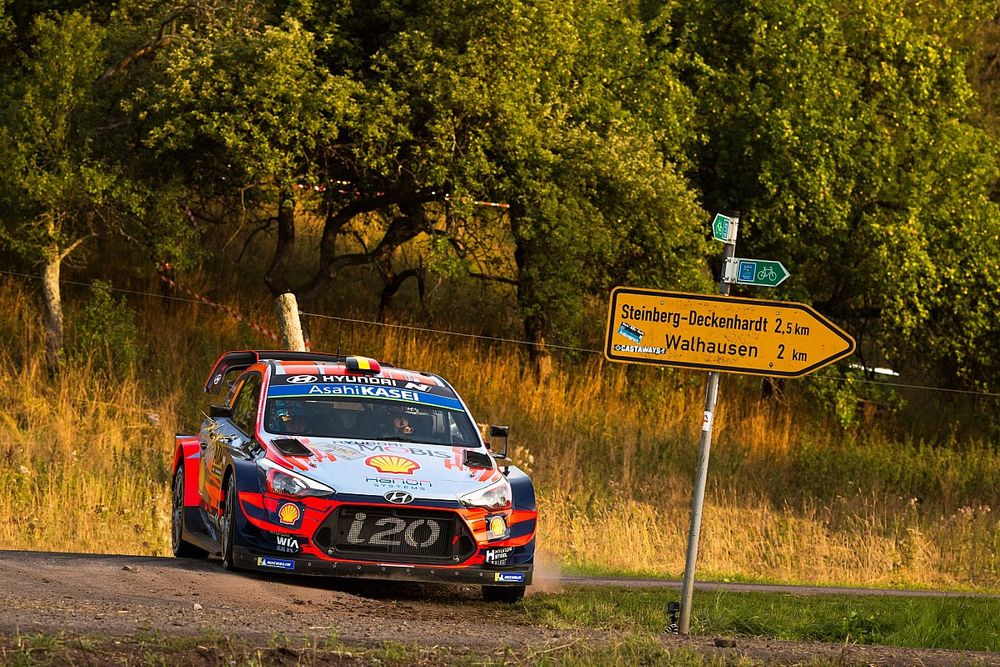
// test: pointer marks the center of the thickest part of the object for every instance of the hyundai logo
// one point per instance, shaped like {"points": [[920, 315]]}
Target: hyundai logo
{"points": [[399, 497]]}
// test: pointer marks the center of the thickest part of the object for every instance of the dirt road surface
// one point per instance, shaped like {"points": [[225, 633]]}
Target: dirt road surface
{"points": [[125, 605]]}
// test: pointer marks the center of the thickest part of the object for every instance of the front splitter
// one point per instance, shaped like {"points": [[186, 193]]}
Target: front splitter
{"points": [[508, 576]]}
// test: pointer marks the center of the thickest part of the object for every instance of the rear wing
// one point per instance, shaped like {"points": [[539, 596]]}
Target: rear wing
{"points": [[241, 360]]}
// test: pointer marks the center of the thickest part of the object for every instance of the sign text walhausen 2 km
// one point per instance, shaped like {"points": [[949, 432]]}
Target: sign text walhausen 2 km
{"points": [[721, 333]]}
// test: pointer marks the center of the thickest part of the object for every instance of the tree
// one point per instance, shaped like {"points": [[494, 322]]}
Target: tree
{"points": [[56, 189]]}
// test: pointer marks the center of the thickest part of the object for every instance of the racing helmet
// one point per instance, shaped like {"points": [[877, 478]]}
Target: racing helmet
{"points": [[287, 416]]}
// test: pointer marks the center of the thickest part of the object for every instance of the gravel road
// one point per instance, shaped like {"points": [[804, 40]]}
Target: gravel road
{"points": [[115, 596]]}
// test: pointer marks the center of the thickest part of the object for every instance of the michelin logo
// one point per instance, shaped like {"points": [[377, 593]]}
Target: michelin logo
{"points": [[510, 577], [264, 561]]}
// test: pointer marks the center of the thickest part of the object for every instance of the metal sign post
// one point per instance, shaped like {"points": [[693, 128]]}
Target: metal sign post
{"points": [[704, 447]]}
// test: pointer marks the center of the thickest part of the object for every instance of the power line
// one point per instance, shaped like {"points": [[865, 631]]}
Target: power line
{"points": [[513, 341]]}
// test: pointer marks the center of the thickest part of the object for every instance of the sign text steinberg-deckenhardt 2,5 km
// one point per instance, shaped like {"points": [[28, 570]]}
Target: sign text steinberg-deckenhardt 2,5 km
{"points": [[721, 333]]}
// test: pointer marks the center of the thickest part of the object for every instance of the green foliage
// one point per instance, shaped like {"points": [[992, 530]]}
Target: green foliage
{"points": [[254, 91], [848, 393], [53, 185], [106, 333]]}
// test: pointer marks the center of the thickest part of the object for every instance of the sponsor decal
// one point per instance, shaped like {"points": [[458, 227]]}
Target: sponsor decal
{"points": [[642, 349], [392, 483], [417, 386], [341, 451], [390, 393], [399, 449], [634, 334], [399, 497], [498, 556], [287, 543], [512, 577], [289, 514], [394, 531], [356, 379], [387, 463], [324, 378], [369, 392], [496, 527], [264, 561]]}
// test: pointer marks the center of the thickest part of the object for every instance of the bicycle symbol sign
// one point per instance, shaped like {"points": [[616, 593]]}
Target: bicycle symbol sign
{"points": [[767, 273], [762, 272]]}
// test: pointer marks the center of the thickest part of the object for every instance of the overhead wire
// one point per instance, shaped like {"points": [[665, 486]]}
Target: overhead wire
{"points": [[513, 341]]}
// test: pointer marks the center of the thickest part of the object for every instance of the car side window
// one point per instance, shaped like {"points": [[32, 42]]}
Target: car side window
{"points": [[245, 405]]}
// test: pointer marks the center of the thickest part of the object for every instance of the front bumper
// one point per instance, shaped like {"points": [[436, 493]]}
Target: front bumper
{"points": [[518, 575]]}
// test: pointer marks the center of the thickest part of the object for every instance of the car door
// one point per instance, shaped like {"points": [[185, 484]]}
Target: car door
{"points": [[218, 441]]}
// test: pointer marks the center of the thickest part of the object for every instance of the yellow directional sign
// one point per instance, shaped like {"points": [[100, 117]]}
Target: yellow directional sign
{"points": [[721, 333]]}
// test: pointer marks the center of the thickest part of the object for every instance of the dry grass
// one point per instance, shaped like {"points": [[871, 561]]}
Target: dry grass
{"points": [[612, 448]]}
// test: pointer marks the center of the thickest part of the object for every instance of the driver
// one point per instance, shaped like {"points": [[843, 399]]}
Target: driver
{"points": [[399, 420], [288, 418]]}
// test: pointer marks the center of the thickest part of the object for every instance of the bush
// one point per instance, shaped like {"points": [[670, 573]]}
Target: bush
{"points": [[106, 332]]}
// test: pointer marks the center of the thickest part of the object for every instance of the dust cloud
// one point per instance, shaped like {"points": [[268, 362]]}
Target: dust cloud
{"points": [[548, 575]]}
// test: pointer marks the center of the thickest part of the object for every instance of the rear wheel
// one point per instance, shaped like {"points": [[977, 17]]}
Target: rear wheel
{"points": [[180, 547], [508, 594], [228, 526]]}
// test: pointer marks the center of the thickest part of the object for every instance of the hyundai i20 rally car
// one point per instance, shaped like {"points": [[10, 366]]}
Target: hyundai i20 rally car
{"points": [[321, 464]]}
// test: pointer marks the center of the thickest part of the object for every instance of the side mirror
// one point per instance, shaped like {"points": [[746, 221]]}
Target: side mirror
{"points": [[220, 412], [499, 432]]}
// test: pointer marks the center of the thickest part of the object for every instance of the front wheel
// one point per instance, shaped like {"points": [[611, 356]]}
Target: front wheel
{"points": [[508, 594], [180, 547], [228, 527]]}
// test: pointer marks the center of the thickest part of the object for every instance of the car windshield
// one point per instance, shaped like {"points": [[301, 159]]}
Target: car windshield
{"points": [[368, 419]]}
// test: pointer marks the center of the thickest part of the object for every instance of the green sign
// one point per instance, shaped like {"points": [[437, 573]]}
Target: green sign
{"points": [[721, 227], [761, 272]]}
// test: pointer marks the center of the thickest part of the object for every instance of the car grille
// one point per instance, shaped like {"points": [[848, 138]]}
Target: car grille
{"points": [[395, 534]]}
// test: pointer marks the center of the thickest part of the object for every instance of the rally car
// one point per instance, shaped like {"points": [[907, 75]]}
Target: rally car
{"points": [[323, 464]]}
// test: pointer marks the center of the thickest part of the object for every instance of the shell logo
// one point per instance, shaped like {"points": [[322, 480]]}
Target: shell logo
{"points": [[497, 526], [392, 464], [288, 514]]}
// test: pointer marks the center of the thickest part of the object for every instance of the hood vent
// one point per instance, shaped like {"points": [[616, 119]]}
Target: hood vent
{"points": [[475, 459], [291, 447]]}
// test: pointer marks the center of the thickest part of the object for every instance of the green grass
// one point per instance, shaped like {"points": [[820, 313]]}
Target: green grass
{"points": [[625, 650], [966, 623]]}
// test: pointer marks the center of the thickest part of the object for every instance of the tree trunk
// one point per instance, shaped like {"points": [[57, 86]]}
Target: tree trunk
{"points": [[541, 356], [53, 311], [535, 322], [287, 310], [276, 277]]}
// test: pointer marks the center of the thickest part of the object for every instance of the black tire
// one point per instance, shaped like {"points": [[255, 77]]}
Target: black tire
{"points": [[507, 594], [228, 526], [181, 547]]}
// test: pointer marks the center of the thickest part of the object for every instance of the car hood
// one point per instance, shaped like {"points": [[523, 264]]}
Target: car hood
{"points": [[375, 467]]}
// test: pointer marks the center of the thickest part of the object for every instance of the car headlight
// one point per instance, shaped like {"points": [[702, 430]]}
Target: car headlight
{"points": [[284, 482], [493, 497]]}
